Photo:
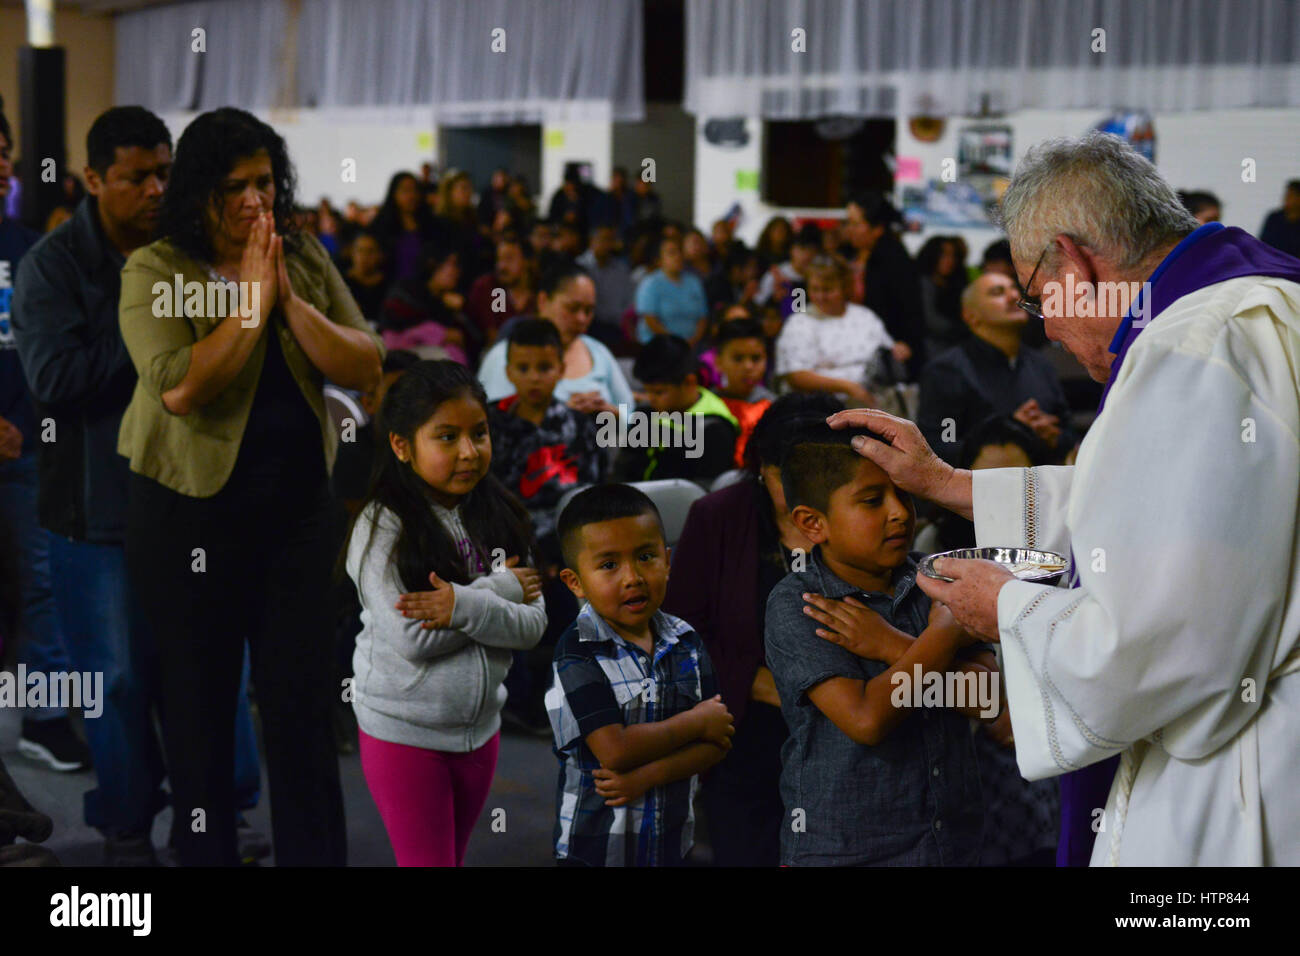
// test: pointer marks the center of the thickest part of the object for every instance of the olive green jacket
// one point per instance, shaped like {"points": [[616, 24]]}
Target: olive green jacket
{"points": [[194, 454]]}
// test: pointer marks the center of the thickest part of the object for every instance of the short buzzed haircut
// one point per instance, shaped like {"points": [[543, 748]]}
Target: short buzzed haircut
{"points": [[541, 333], [817, 463], [665, 360], [597, 504], [737, 329], [123, 127]]}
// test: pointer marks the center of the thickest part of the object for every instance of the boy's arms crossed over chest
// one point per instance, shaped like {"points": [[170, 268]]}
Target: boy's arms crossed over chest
{"points": [[598, 716]]}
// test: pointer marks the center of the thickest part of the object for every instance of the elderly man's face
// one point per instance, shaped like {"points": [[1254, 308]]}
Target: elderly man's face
{"points": [[1087, 336]]}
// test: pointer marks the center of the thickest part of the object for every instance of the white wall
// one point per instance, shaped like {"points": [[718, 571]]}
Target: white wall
{"points": [[1194, 150], [591, 142], [319, 143]]}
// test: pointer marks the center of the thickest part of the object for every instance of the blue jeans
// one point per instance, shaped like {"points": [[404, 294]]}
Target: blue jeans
{"points": [[102, 632], [40, 644]]}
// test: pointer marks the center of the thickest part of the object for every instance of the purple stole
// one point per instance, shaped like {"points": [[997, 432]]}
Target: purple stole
{"points": [[1212, 254]]}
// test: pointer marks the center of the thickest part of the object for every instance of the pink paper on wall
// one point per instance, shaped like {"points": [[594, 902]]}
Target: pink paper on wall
{"points": [[907, 169]]}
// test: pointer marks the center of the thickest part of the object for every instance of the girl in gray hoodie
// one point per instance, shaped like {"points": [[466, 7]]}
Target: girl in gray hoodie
{"points": [[438, 553]]}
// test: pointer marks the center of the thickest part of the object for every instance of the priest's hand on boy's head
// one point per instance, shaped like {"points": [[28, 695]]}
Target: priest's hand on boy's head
{"points": [[856, 628], [899, 449]]}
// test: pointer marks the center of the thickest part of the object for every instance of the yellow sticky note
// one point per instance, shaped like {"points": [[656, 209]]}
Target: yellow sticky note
{"points": [[424, 141], [554, 138]]}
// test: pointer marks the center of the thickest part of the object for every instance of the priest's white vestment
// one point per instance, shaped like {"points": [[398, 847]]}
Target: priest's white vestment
{"points": [[1180, 645]]}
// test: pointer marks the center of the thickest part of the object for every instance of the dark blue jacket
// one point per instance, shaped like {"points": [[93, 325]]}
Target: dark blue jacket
{"points": [[65, 322]]}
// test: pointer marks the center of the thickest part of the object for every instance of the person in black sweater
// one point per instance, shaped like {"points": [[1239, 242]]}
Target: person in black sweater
{"points": [[885, 279]]}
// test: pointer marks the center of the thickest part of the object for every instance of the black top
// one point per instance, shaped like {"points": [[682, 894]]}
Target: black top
{"points": [[282, 437]]}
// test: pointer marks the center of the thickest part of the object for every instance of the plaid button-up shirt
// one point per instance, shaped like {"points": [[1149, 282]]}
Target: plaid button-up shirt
{"points": [[602, 679]]}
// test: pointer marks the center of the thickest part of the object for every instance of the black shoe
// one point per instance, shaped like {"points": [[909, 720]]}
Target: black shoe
{"points": [[129, 849], [252, 844], [53, 742]]}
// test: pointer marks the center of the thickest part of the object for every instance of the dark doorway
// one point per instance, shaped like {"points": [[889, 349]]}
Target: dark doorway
{"points": [[820, 164], [478, 150]]}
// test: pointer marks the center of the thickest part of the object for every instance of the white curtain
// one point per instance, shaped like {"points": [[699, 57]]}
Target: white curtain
{"points": [[157, 65], [397, 60], [955, 57]]}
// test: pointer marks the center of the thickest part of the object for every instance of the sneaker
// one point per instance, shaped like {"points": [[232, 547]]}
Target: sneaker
{"points": [[129, 849], [53, 742], [253, 844]]}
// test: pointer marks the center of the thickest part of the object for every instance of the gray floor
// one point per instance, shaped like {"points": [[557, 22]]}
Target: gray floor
{"points": [[524, 787]]}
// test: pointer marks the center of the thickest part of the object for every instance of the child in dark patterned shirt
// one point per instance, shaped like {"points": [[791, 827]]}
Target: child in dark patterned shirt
{"points": [[542, 448]]}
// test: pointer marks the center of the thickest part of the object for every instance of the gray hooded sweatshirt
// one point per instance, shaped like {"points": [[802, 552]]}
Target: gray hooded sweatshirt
{"points": [[437, 689]]}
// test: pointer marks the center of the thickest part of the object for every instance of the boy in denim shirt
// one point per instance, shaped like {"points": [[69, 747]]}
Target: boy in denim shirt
{"points": [[864, 782]]}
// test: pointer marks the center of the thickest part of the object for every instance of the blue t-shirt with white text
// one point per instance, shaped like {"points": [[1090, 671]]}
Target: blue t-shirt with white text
{"points": [[15, 397]]}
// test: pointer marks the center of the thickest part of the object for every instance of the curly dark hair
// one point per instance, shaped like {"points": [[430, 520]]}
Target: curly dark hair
{"points": [[207, 151]]}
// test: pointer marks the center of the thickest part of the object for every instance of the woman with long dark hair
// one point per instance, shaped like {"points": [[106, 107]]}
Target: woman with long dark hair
{"points": [[234, 321], [403, 225], [943, 277], [439, 554], [737, 543]]}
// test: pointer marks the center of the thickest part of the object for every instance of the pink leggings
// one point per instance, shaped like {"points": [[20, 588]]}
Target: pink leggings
{"points": [[429, 799]]}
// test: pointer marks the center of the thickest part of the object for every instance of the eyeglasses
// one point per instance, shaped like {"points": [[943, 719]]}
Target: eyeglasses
{"points": [[1032, 303]]}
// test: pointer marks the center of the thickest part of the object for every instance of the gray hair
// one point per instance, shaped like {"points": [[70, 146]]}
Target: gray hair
{"points": [[1097, 190]]}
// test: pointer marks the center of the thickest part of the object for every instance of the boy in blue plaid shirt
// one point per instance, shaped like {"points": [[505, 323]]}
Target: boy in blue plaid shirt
{"points": [[633, 705]]}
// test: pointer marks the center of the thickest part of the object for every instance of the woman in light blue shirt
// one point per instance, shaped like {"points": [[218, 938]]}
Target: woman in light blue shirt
{"points": [[593, 381], [671, 301]]}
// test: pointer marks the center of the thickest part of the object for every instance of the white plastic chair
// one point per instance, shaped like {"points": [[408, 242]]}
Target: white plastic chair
{"points": [[672, 496], [735, 476], [343, 405]]}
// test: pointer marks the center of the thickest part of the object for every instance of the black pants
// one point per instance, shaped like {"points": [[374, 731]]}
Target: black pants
{"points": [[262, 574], [742, 796]]}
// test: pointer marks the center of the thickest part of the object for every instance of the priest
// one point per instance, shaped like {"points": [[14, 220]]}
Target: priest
{"points": [[1172, 642]]}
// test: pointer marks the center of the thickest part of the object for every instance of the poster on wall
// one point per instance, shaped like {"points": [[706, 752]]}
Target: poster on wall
{"points": [[965, 195]]}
